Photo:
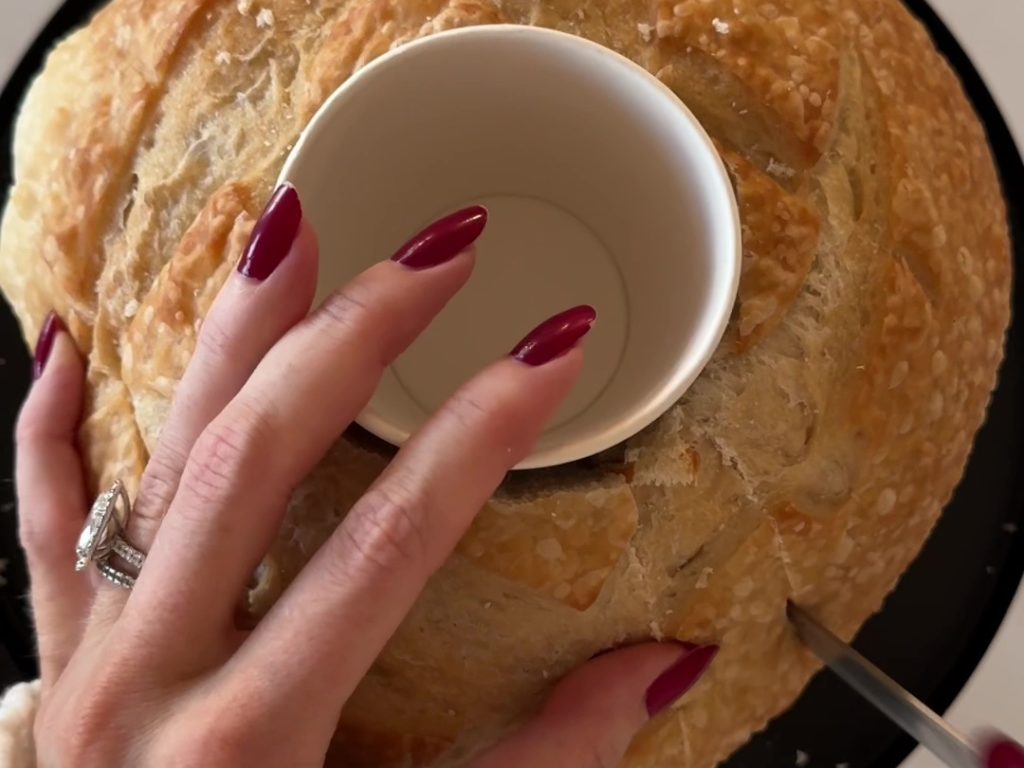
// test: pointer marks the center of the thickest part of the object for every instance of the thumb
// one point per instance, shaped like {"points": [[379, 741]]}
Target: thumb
{"points": [[590, 719]]}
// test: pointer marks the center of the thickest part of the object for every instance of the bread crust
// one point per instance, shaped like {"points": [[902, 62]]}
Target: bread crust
{"points": [[810, 460]]}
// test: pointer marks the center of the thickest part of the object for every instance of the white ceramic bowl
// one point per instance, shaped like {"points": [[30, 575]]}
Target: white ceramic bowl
{"points": [[602, 188]]}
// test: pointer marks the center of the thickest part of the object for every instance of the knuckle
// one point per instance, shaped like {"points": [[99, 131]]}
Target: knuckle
{"points": [[215, 731], [78, 730], [215, 338], [211, 743], [159, 484], [231, 448], [32, 428], [601, 752], [386, 529], [345, 312], [38, 538], [468, 410]]}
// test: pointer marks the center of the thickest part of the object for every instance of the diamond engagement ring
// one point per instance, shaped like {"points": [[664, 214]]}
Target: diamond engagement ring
{"points": [[101, 541]]}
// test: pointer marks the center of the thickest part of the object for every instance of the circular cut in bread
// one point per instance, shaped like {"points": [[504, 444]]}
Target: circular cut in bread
{"points": [[810, 460]]}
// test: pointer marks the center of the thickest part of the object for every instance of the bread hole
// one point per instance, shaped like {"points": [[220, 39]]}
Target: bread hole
{"points": [[794, 443], [923, 273], [133, 189], [857, 195], [676, 570], [810, 431], [826, 486]]}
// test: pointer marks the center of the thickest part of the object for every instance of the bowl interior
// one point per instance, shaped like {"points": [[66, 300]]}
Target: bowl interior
{"points": [[602, 189]]}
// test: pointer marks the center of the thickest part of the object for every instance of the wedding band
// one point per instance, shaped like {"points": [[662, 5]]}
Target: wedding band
{"points": [[101, 541]]}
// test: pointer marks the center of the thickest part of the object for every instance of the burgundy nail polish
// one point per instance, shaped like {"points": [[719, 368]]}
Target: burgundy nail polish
{"points": [[273, 235], [679, 678], [52, 326], [1002, 752], [444, 239], [555, 336]]}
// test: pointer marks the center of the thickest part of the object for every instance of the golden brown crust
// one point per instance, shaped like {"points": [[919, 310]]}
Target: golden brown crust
{"points": [[812, 457]]}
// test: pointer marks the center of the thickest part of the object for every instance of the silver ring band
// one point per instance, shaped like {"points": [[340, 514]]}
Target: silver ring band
{"points": [[101, 540], [128, 553], [115, 576]]}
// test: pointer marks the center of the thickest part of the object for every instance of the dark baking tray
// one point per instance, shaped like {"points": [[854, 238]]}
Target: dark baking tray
{"points": [[935, 627]]}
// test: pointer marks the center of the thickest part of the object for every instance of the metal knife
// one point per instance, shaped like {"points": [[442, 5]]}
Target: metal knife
{"points": [[899, 705]]}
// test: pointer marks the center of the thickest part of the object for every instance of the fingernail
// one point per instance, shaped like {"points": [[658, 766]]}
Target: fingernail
{"points": [[1002, 752], [273, 235], [443, 240], [679, 678], [52, 326], [555, 336]]}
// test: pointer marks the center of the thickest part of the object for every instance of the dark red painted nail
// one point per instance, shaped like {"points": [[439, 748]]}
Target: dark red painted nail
{"points": [[679, 678], [1002, 752], [444, 239], [273, 235], [555, 336], [52, 326]]}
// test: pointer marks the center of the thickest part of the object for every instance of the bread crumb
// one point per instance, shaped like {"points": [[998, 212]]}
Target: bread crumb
{"points": [[265, 19], [123, 36], [743, 587], [780, 170], [550, 549], [721, 27], [244, 6], [802, 758], [886, 502], [705, 576], [223, 58], [131, 308], [899, 374], [646, 32]]}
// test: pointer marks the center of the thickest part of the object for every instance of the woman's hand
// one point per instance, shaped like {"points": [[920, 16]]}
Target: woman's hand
{"points": [[161, 675]]}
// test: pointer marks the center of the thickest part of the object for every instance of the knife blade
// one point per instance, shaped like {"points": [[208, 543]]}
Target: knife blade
{"points": [[899, 705]]}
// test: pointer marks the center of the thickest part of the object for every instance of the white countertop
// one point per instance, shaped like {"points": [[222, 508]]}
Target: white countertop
{"points": [[990, 32]]}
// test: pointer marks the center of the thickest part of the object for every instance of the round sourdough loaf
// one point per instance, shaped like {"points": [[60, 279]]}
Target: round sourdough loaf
{"points": [[810, 460]]}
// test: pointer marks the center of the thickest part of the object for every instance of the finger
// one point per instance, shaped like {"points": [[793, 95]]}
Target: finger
{"points": [[364, 580], [304, 393], [1000, 751], [270, 291], [593, 715], [51, 497]]}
